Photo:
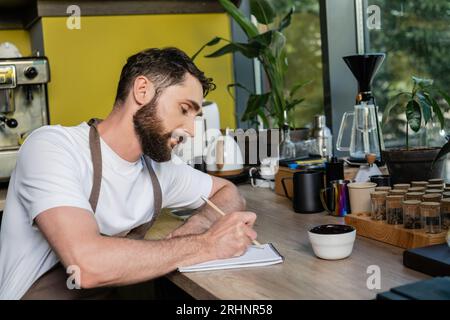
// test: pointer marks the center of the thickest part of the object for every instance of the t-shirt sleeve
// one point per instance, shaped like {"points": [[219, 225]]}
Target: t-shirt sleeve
{"points": [[47, 174], [182, 186]]}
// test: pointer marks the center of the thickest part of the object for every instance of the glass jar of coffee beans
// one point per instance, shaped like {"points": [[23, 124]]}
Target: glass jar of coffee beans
{"points": [[411, 214], [378, 201], [445, 213], [404, 186], [414, 196], [417, 189], [419, 184], [431, 216], [394, 211], [432, 197], [398, 192]]}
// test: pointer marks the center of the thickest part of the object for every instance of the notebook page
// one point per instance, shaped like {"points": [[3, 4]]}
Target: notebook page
{"points": [[253, 257]]}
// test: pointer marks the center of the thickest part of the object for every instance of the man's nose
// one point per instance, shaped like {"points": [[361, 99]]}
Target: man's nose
{"points": [[190, 126]]}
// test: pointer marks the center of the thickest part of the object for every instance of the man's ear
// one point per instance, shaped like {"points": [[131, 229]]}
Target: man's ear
{"points": [[143, 90]]}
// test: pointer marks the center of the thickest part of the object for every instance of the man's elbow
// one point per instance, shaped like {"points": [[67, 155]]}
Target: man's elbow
{"points": [[89, 270]]}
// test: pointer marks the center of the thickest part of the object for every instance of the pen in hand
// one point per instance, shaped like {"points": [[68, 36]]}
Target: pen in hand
{"points": [[212, 205]]}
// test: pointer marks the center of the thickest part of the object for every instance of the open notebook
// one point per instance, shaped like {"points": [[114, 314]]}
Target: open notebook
{"points": [[253, 257]]}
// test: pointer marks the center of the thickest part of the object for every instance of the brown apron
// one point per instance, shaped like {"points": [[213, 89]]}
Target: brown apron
{"points": [[52, 284]]}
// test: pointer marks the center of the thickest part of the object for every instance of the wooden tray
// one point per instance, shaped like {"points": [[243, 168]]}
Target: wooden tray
{"points": [[393, 234]]}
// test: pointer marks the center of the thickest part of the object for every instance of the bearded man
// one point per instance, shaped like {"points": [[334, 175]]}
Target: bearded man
{"points": [[81, 198]]}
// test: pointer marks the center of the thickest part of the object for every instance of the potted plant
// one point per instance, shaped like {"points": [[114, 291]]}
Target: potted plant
{"points": [[267, 44], [423, 104]]}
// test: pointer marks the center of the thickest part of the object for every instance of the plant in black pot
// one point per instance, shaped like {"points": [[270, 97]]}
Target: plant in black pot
{"points": [[423, 105]]}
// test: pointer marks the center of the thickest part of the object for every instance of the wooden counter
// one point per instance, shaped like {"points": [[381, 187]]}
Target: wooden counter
{"points": [[302, 275]]}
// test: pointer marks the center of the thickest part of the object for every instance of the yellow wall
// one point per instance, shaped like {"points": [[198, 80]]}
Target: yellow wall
{"points": [[85, 64], [20, 38]]}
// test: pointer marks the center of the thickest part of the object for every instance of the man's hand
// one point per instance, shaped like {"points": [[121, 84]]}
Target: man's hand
{"points": [[231, 234], [225, 195]]}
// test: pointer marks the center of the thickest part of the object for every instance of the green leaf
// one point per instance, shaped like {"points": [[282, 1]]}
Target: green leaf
{"points": [[422, 82], [286, 21], [425, 106], [297, 87], [231, 85], [264, 39], [393, 103], [292, 104], [212, 42], [445, 96], [413, 115], [278, 43], [255, 103], [247, 26], [264, 119], [250, 50], [437, 111], [444, 151], [262, 10]]}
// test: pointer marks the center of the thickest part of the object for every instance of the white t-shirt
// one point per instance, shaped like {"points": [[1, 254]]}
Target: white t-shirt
{"points": [[54, 168]]}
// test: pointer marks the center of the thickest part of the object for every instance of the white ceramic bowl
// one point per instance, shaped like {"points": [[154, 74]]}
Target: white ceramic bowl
{"points": [[332, 241]]}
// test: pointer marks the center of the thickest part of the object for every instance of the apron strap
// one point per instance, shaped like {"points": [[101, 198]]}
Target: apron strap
{"points": [[96, 155], [141, 231], [52, 285]]}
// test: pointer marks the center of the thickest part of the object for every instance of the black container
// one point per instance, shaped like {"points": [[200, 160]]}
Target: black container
{"points": [[334, 170], [413, 165], [382, 180], [306, 191]]}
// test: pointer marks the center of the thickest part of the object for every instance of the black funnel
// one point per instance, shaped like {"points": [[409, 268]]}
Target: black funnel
{"points": [[364, 67]]}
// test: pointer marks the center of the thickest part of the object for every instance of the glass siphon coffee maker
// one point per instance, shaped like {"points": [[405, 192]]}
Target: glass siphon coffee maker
{"points": [[366, 136]]}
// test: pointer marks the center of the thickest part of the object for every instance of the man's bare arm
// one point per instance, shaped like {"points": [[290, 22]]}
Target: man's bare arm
{"points": [[225, 195], [74, 235]]}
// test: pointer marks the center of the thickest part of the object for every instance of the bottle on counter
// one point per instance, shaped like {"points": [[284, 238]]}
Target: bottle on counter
{"points": [[322, 134], [287, 147]]}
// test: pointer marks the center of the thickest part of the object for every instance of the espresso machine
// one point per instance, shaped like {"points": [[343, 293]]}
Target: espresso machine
{"points": [[366, 137], [23, 105]]}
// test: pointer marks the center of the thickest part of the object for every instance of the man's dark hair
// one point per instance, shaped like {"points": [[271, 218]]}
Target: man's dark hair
{"points": [[164, 67]]}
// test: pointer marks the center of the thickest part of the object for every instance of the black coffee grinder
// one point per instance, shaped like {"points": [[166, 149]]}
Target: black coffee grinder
{"points": [[366, 136]]}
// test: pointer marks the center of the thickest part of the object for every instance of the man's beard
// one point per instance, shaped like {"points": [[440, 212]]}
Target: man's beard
{"points": [[149, 129]]}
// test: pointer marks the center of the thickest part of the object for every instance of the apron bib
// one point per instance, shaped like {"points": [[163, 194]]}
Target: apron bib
{"points": [[52, 284]]}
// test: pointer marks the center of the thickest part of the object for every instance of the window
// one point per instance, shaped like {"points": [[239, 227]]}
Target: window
{"points": [[305, 60], [415, 35]]}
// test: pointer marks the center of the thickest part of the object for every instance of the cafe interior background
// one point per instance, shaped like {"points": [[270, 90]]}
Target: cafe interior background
{"points": [[77, 80]]}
